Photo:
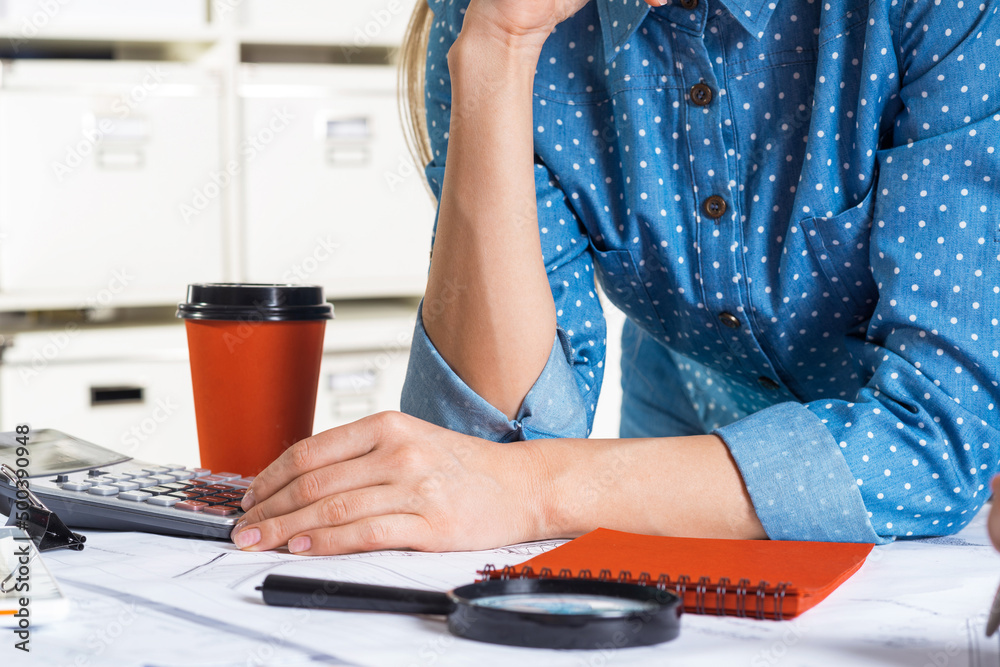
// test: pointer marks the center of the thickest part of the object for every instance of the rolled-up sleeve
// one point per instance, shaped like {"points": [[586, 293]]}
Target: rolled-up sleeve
{"points": [[563, 400], [912, 453]]}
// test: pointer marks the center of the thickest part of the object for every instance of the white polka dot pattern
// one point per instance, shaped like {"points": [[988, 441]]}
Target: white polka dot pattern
{"points": [[800, 208]]}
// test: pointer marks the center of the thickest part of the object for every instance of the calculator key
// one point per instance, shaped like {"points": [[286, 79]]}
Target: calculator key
{"points": [[240, 483], [235, 506], [134, 496], [191, 505], [163, 478], [157, 490], [200, 472], [126, 486], [124, 476], [102, 490], [182, 474], [143, 481], [226, 475], [163, 501], [104, 479], [219, 487], [220, 510], [134, 472], [213, 479], [176, 486], [96, 473], [185, 495], [173, 466], [232, 495], [76, 486], [155, 470], [196, 482], [215, 500]]}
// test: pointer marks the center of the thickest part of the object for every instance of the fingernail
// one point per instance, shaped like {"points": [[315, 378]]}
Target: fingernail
{"points": [[299, 544], [247, 538], [248, 500], [238, 527]]}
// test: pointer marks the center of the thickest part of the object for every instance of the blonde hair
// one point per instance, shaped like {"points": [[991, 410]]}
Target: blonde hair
{"points": [[412, 62]]}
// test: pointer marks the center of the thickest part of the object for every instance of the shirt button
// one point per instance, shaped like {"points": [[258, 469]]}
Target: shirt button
{"points": [[689, 4], [767, 383], [701, 94], [730, 320], [714, 207]]}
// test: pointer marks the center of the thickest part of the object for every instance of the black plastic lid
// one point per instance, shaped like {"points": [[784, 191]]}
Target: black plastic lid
{"points": [[249, 302]]}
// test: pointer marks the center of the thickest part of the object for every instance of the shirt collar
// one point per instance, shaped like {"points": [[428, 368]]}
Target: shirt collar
{"points": [[620, 18]]}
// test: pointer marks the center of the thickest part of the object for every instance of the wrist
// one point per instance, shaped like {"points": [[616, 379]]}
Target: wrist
{"points": [[483, 42], [554, 500]]}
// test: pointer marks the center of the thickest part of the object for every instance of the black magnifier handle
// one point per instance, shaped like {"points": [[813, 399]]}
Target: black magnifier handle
{"points": [[284, 591]]}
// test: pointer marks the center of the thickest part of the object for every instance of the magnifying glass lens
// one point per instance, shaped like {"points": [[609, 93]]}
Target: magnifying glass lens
{"points": [[565, 604]]}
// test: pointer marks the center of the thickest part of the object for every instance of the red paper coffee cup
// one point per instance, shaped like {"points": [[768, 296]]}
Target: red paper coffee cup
{"points": [[255, 355]]}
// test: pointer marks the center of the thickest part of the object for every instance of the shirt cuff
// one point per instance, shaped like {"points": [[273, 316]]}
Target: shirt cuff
{"points": [[800, 484], [553, 408]]}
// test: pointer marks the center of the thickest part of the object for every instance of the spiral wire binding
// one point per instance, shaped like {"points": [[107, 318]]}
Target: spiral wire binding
{"points": [[720, 596], [779, 599], [722, 587], [761, 594], [682, 585], [741, 597], [699, 594]]}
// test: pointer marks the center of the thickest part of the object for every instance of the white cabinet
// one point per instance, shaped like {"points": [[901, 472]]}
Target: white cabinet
{"points": [[33, 17], [107, 195], [331, 194], [364, 364], [128, 389], [358, 23]]}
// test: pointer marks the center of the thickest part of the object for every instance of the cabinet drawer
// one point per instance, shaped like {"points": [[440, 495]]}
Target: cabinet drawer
{"points": [[106, 190]]}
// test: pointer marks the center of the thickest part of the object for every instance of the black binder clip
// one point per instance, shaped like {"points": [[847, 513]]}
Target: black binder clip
{"points": [[46, 529]]}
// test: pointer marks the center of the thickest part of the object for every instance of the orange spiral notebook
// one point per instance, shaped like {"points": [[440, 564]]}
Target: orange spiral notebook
{"points": [[753, 578]]}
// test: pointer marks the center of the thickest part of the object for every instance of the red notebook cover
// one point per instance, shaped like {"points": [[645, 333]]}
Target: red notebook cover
{"points": [[757, 578]]}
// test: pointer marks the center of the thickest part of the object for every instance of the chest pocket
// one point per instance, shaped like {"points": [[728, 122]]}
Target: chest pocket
{"points": [[840, 245], [626, 283]]}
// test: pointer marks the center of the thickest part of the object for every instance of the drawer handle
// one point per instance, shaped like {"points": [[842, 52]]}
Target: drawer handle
{"points": [[116, 395], [120, 160]]}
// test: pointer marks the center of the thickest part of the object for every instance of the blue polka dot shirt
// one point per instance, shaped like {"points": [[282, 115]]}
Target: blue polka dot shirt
{"points": [[798, 208]]}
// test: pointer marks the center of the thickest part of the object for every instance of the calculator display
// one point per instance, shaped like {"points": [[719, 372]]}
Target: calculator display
{"points": [[53, 453]]}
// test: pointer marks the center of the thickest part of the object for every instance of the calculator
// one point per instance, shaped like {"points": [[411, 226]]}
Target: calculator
{"points": [[88, 486]]}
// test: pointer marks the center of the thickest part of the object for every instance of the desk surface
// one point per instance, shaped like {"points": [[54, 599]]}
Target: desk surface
{"points": [[152, 600]]}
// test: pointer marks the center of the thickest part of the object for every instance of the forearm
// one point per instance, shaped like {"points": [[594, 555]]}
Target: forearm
{"points": [[682, 486], [488, 308]]}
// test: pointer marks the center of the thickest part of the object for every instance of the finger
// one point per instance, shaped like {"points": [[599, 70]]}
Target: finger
{"points": [[393, 531], [338, 444], [316, 485], [335, 510]]}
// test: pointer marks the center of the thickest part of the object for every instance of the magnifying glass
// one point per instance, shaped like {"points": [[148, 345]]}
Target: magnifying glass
{"points": [[565, 613]]}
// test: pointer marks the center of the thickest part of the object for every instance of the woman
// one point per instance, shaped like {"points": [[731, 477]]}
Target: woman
{"points": [[796, 205]]}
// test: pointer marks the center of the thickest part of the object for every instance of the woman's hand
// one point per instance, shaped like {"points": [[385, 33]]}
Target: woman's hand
{"points": [[520, 18], [392, 481], [529, 17]]}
